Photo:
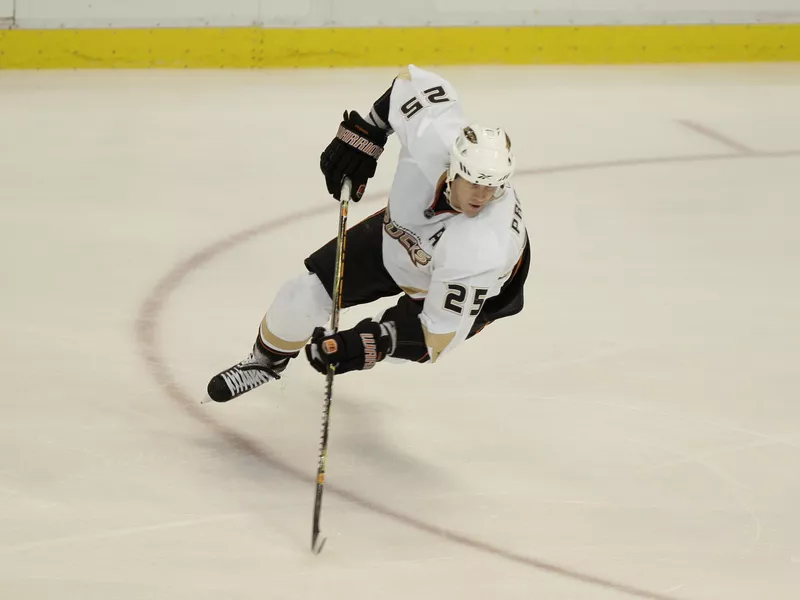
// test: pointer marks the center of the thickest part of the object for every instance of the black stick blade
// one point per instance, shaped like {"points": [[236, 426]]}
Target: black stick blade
{"points": [[317, 548]]}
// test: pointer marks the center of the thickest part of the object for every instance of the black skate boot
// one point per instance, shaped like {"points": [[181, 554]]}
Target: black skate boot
{"points": [[258, 368]]}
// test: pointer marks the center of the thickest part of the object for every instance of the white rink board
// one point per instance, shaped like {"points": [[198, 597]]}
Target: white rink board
{"points": [[6, 9], [367, 13]]}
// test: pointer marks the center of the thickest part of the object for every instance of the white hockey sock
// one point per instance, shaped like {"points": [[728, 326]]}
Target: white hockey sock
{"points": [[300, 305]]}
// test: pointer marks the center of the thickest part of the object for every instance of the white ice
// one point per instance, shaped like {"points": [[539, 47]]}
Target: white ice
{"points": [[635, 433]]}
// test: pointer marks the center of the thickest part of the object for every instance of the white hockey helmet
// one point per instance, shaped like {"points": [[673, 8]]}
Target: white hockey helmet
{"points": [[482, 155]]}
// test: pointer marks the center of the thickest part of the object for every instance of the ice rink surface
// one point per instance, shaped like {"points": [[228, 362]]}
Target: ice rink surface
{"points": [[634, 433]]}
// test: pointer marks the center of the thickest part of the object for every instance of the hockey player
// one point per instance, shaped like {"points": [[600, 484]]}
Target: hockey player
{"points": [[451, 242]]}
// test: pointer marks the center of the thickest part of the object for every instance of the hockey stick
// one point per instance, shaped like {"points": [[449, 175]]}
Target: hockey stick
{"points": [[338, 278]]}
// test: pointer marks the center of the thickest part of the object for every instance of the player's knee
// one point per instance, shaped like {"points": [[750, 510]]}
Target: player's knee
{"points": [[302, 297], [300, 305]]}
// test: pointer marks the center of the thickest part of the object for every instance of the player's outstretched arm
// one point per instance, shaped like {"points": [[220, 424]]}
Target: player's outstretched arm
{"points": [[415, 99], [408, 331], [355, 150]]}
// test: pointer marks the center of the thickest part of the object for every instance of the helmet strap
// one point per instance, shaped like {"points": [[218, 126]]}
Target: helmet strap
{"points": [[447, 195]]}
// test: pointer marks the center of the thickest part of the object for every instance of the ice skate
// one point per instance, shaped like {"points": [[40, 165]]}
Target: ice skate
{"points": [[247, 375]]}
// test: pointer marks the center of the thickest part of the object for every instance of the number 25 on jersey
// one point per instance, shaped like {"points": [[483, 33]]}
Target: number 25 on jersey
{"points": [[434, 95], [457, 294]]}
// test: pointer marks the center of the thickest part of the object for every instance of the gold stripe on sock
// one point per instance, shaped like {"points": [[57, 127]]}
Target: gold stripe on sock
{"points": [[279, 344]]}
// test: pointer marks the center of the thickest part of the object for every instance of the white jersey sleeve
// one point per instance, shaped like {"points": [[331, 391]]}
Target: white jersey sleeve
{"points": [[425, 114], [463, 279]]}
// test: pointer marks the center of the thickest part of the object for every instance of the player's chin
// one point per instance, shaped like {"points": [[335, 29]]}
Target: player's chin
{"points": [[473, 209]]}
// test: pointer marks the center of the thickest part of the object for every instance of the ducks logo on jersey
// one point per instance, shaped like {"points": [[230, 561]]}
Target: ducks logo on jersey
{"points": [[407, 239]]}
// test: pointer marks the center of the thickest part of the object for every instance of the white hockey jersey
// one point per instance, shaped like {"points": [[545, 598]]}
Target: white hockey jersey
{"points": [[454, 262]]}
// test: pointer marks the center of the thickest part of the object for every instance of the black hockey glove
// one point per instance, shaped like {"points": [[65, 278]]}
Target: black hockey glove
{"points": [[352, 153], [355, 349]]}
